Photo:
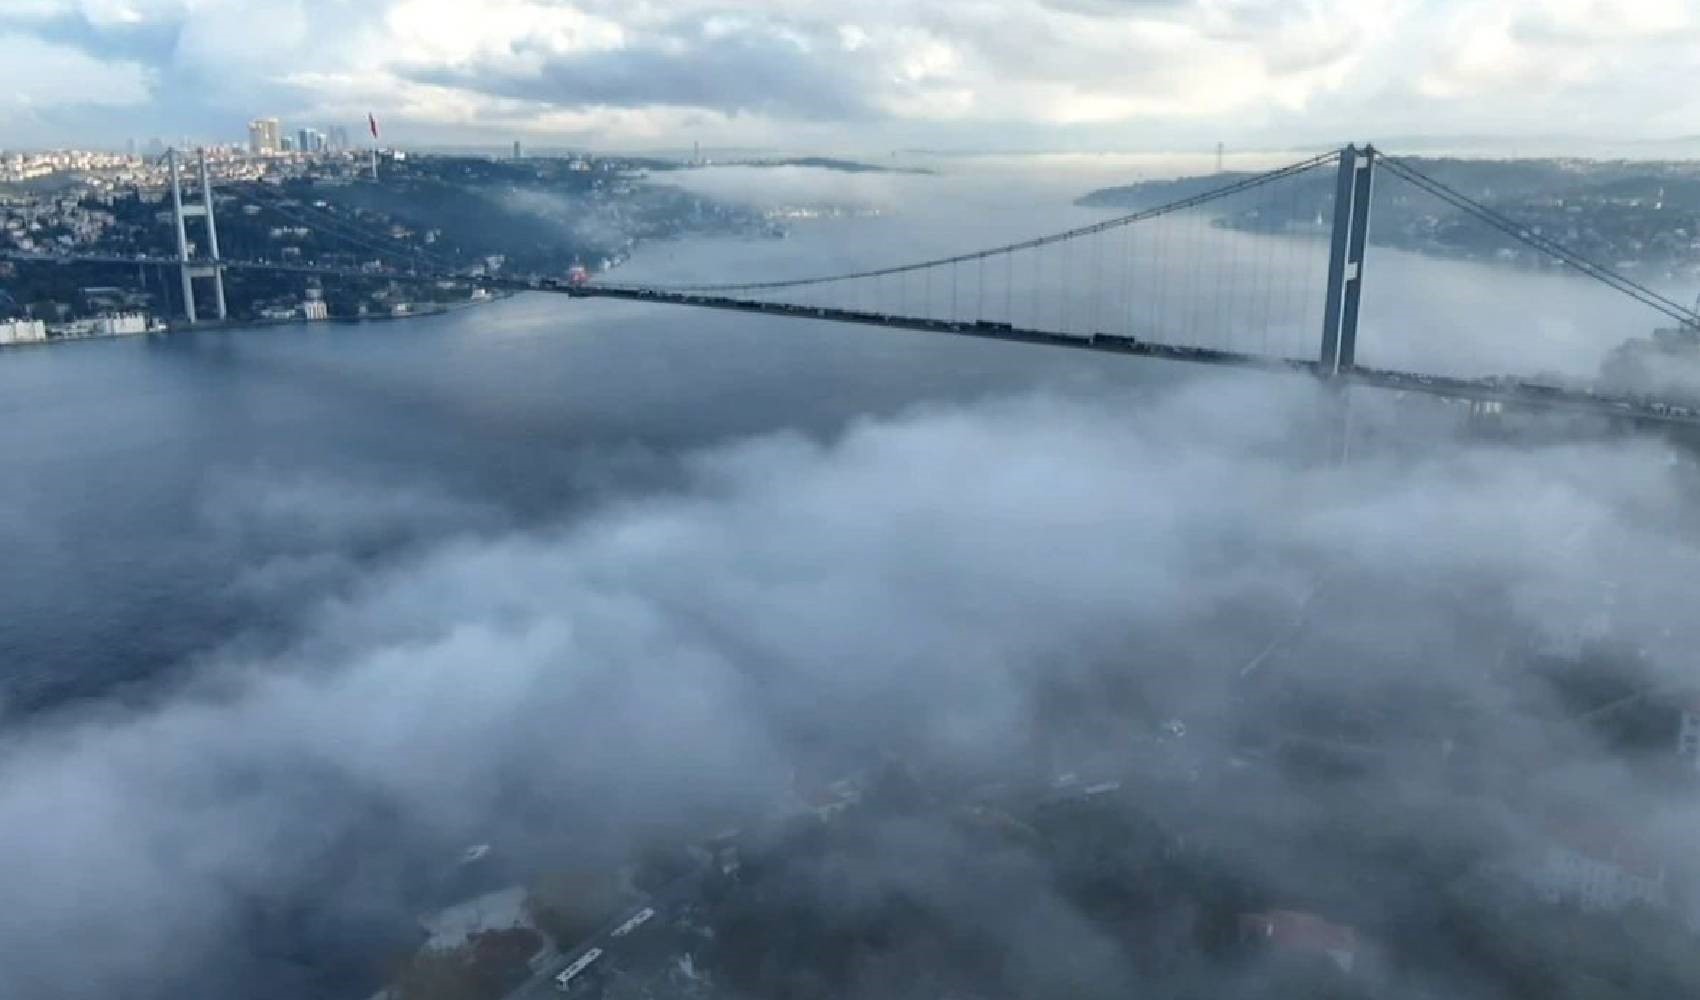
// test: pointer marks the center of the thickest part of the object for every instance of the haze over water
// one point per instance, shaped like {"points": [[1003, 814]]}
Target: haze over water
{"points": [[135, 464], [207, 506]]}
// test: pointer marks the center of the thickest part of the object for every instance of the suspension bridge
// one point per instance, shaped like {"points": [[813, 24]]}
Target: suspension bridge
{"points": [[1263, 272]]}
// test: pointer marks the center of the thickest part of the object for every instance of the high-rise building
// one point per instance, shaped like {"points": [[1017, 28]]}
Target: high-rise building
{"points": [[516, 149], [288, 144], [264, 136], [339, 138], [310, 140]]}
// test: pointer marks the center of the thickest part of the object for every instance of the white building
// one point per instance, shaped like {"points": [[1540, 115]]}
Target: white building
{"points": [[104, 325], [22, 331], [119, 324], [264, 136], [315, 309], [1599, 870]]}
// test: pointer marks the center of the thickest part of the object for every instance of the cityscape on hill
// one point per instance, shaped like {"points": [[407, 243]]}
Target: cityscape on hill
{"points": [[312, 203]]}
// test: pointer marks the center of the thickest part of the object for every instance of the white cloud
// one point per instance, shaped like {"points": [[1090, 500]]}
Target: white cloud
{"points": [[101, 12], [44, 74], [446, 33], [910, 585], [861, 70], [1586, 22], [1486, 56]]}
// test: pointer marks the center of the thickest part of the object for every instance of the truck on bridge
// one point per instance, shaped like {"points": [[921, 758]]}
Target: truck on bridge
{"points": [[571, 977]]}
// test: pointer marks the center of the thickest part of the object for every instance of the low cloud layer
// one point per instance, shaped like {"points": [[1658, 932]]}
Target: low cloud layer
{"points": [[913, 586]]}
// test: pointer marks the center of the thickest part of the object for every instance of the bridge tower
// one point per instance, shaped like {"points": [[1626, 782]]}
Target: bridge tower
{"points": [[180, 213], [1353, 186]]}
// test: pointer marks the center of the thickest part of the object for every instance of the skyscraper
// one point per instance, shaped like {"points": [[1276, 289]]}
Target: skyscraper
{"points": [[339, 138], [310, 140], [265, 135]]}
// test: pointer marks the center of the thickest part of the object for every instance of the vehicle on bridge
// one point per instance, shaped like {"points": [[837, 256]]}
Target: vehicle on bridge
{"points": [[573, 976], [1116, 340], [633, 922], [1670, 409]]}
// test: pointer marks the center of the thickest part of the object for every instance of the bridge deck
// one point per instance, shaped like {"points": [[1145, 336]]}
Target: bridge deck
{"points": [[1511, 393]]}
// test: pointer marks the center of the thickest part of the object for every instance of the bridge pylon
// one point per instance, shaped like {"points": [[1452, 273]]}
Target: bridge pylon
{"points": [[1353, 186], [180, 213]]}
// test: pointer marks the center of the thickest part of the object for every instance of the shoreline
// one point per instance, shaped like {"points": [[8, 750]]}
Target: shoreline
{"points": [[211, 326]]}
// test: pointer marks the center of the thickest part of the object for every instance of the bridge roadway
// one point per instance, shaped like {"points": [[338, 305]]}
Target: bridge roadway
{"points": [[1503, 390], [1488, 390]]}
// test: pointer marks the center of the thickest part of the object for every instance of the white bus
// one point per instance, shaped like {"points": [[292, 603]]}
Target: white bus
{"points": [[564, 981], [635, 921]]}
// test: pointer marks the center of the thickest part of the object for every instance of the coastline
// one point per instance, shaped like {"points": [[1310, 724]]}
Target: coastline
{"points": [[206, 326]]}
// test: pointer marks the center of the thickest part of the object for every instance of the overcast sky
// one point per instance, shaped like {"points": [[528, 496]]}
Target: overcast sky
{"points": [[853, 74]]}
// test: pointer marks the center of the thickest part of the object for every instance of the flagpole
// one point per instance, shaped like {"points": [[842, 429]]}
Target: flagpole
{"points": [[372, 126]]}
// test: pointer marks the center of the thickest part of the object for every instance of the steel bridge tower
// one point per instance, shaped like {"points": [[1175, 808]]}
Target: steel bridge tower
{"points": [[1353, 185], [180, 212]]}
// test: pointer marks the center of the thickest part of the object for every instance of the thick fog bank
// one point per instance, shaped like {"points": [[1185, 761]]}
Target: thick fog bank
{"points": [[958, 587]]}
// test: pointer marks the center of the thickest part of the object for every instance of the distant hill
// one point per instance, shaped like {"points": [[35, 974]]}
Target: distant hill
{"points": [[824, 163], [1625, 214]]}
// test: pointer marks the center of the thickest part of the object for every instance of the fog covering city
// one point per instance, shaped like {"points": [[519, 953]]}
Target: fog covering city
{"points": [[1006, 583]]}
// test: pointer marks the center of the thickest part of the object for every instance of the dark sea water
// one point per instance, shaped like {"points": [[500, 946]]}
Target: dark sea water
{"points": [[128, 464], [132, 469]]}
